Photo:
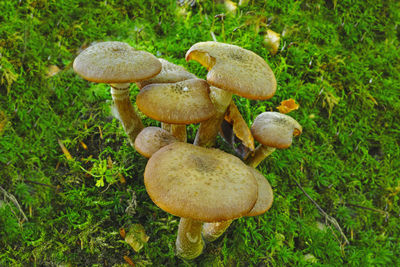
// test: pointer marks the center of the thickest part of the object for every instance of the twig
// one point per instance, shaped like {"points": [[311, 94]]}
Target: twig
{"points": [[327, 217], [15, 201], [371, 209]]}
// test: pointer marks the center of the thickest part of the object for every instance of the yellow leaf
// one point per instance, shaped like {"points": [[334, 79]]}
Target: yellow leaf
{"points": [[136, 237], [64, 150], [272, 41], [240, 128], [288, 106], [3, 121], [52, 70]]}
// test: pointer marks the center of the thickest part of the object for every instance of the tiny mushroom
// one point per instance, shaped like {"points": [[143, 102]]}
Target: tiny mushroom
{"points": [[199, 185], [272, 130], [211, 231], [118, 64], [232, 70], [151, 139], [178, 104]]}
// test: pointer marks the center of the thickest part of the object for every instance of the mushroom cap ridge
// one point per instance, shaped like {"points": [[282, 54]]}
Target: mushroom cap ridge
{"points": [[235, 69], [115, 62], [203, 184]]}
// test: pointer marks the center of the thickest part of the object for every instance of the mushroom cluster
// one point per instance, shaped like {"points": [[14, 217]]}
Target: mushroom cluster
{"points": [[204, 186]]}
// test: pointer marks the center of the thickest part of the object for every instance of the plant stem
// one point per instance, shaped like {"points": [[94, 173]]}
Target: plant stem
{"points": [[259, 155]]}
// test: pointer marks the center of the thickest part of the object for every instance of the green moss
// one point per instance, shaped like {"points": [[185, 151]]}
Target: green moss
{"points": [[338, 59]]}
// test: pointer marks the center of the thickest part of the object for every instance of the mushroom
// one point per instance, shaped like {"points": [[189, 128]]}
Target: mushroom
{"points": [[178, 104], [170, 73], [272, 130], [199, 185], [232, 70], [118, 64], [211, 231], [151, 139]]}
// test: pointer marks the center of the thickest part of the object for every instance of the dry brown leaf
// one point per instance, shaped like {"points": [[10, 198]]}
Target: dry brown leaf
{"points": [[288, 106], [122, 179], [83, 145], [129, 261], [122, 232], [272, 41], [136, 237], [240, 128]]}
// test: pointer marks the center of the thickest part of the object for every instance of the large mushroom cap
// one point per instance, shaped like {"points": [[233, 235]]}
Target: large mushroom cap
{"points": [[265, 194], [235, 69], [207, 185], [176, 103], [115, 62], [170, 73], [275, 129], [151, 139]]}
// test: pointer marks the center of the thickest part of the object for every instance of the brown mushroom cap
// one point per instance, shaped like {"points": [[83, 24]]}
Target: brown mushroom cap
{"points": [[115, 62], [151, 139], [265, 195], [235, 69], [275, 129], [170, 73], [176, 103], [203, 184]]}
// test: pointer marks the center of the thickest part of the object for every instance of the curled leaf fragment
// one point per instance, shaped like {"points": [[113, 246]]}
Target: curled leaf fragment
{"points": [[136, 237], [288, 106], [272, 41], [240, 128]]}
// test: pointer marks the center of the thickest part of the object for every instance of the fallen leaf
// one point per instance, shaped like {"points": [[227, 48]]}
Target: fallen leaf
{"points": [[129, 261], [122, 179], [272, 41], [136, 237], [122, 232], [83, 145], [109, 162], [230, 6], [64, 150], [239, 126], [52, 70], [3, 121], [288, 106]]}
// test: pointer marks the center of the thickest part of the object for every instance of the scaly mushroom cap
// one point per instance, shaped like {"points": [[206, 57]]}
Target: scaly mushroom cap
{"points": [[265, 194], [235, 69], [183, 102], [275, 129], [151, 139], [115, 62], [204, 184], [170, 73]]}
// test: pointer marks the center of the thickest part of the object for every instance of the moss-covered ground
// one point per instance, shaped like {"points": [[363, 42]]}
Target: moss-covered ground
{"points": [[340, 60]]}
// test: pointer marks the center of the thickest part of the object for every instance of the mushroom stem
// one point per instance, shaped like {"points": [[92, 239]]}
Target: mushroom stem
{"points": [[208, 130], [189, 243], [211, 231], [179, 131], [261, 152], [126, 113]]}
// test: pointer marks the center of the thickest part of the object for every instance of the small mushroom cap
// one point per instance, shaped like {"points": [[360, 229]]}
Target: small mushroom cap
{"points": [[235, 69], [176, 103], [265, 195], [115, 62], [275, 129], [204, 184], [151, 139], [170, 73]]}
